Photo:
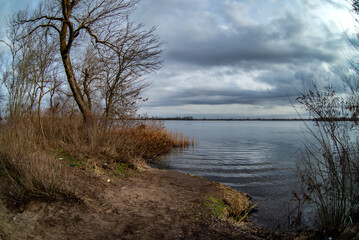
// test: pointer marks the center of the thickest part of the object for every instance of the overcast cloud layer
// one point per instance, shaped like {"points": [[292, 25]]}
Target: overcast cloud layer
{"points": [[239, 58]]}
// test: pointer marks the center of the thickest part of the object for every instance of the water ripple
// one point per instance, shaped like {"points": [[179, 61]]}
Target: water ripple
{"points": [[255, 157]]}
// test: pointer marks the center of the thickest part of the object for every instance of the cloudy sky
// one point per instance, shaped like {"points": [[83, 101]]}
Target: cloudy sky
{"points": [[240, 58]]}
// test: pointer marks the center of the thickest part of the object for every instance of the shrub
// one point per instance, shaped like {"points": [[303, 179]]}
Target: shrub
{"points": [[330, 167]]}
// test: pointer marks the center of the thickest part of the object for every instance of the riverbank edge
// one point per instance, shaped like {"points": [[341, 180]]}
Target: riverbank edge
{"points": [[143, 204]]}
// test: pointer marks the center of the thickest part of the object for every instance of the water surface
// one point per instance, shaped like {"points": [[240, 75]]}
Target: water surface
{"points": [[257, 157]]}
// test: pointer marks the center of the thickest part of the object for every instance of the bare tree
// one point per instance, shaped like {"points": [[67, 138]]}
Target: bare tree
{"points": [[74, 23], [136, 53], [44, 68], [18, 77], [31, 68]]}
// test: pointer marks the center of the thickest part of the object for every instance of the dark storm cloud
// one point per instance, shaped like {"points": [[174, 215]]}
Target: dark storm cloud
{"points": [[199, 96], [283, 87], [278, 41]]}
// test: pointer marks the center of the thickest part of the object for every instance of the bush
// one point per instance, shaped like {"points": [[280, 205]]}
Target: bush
{"points": [[330, 167]]}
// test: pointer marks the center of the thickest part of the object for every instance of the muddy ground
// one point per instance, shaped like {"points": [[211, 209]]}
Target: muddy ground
{"points": [[152, 204]]}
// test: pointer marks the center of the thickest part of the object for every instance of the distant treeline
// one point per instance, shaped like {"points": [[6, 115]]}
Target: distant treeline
{"points": [[190, 118]]}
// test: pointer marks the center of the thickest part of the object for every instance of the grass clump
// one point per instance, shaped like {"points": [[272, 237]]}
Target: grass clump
{"points": [[216, 206], [121, 169], [231, 205], [153, 140], [72, 162]]}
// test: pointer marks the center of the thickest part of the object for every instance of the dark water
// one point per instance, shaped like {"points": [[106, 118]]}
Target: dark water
{"points": [[257, 157]]}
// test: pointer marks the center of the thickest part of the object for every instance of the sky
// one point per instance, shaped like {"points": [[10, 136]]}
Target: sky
{"points": [[240, 58]]}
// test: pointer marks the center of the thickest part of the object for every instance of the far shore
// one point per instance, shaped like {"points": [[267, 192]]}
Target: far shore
{"points": [[245, 119]]}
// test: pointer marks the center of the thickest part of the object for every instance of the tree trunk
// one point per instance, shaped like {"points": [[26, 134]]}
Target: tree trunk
{"points": [[76, 91], [85, 110]]}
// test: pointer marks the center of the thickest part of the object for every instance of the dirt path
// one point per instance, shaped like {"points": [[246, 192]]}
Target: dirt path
{"points": [[154, 204]]}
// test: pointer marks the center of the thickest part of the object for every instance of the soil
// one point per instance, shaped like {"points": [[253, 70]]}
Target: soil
{"points": [[152, 204]]}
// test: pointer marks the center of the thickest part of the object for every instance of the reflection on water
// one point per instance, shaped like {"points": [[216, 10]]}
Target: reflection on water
{"points": [[256, 157]]}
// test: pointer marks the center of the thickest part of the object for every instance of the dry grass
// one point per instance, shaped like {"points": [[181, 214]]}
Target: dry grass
{"points": [[35, 157], [153, 140], [32, 171], [120, 143]]}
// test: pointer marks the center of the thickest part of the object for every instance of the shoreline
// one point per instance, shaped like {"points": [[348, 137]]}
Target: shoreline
{"points": [[146, 204]]}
